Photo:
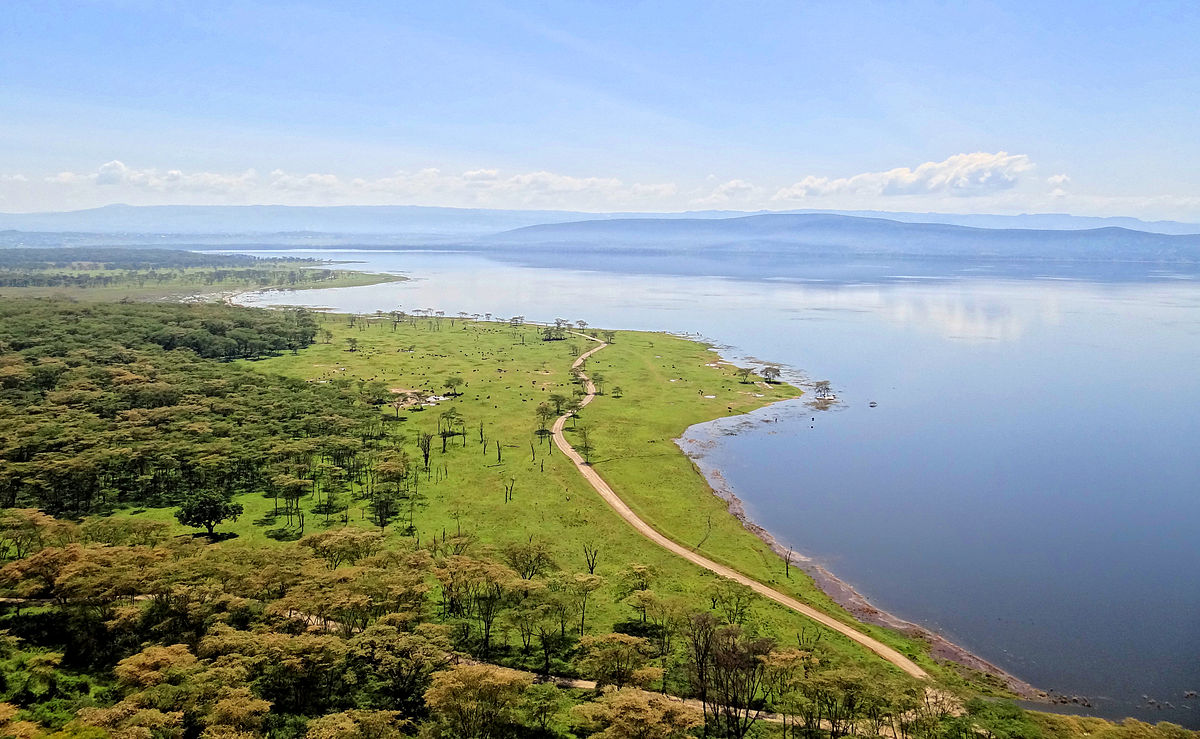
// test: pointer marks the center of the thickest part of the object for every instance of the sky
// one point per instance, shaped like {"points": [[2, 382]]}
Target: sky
{"points": [[1090, 108]]}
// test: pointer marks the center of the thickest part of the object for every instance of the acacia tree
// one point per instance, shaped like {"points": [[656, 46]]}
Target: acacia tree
{"points": [[529, 558], [477, 701], [450, 423], [633, 714], [544, 413], [734, 674], [425, 444], [452, 384], [732, 600], [770, 374], [393, 474], [581, 587], [393, 667], [636, 578], [616, 659], [492, 586], [292, 489], [207, 508]]}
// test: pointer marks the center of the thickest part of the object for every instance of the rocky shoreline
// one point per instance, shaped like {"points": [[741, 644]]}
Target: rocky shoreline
{"points": [[701, 437]]}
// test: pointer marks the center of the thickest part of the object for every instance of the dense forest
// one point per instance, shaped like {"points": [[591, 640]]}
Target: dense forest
{"points": [[118, 629], [114, 624], [84, 268], [122, 258], [110, 404]]}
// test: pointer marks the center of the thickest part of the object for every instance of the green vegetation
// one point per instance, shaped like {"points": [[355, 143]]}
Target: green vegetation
{"points": [[96, 273], [103, 405], [398, 549]]}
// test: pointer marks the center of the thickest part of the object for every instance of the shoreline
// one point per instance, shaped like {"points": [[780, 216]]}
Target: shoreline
{"points": [[694, 443]]}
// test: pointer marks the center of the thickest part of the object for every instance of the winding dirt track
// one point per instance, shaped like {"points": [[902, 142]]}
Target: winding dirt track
{"points": [[643, 528]]}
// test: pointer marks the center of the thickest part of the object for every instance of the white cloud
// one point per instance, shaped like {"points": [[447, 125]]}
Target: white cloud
{"points": [[319, 183], [117, 174], [979, 173], [474, 187], [733, 191], [996, 183], [491, 187], [69, 178]]}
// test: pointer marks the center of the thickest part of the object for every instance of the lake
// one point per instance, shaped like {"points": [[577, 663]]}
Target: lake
{"points": [[1028, 483]]}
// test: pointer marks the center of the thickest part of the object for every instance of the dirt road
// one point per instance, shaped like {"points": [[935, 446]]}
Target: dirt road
{"points": [[643, 528]]}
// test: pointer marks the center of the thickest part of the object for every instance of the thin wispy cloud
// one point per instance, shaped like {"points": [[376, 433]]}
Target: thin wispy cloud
{"points": [[999, 182], [978, 173], [428, 186], [117, 174], [733, 192]]}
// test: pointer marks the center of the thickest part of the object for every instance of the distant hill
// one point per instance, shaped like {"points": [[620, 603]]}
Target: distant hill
{"points": [[274, 219], [300, 224], [1040, 221], [843, 236]]}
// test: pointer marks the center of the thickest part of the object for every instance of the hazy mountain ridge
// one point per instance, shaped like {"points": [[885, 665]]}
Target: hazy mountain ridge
{"points": [[442, 223], [838, 235]]}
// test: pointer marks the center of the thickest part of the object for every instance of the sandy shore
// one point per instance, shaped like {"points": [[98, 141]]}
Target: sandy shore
{"points": [[699, 439]]}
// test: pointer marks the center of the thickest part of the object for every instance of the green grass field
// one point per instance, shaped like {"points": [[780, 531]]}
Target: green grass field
{"points": [[507, 372]]}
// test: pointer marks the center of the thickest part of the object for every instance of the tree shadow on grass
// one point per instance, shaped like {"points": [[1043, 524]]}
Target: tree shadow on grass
{"points": [[217, 536], [283, 533]]}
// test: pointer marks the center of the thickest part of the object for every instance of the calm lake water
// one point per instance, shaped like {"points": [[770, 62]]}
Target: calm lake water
{"points": [[1028, 484]]}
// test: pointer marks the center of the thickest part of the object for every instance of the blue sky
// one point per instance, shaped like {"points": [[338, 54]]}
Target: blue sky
{"points": [[954, 106]]}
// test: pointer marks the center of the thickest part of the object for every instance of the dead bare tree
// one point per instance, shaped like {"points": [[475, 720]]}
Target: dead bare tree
{"points": [[590, 553]]}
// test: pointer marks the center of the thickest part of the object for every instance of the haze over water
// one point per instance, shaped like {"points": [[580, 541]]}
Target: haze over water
{"points": [[1027, 484]]}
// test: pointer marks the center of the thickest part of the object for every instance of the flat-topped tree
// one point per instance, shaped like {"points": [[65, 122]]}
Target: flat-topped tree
{"points": [[206, 509], [544, 413], [450, 423], [770, 373], [452, 384]]}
